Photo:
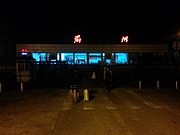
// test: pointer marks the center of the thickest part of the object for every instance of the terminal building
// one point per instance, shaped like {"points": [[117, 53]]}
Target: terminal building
{"points": [[93, 53], [129, 62], [34, 62]]}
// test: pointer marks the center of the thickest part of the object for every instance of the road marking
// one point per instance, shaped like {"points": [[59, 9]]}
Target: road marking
{"points": [[88, 108], [122, 122], [152, 105], [135, 107], [144, 101], [111, 107], [67, 103]]}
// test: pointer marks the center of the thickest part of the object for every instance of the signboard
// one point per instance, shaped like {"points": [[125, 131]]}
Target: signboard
{"points": [[124, 39], [77, 39]]}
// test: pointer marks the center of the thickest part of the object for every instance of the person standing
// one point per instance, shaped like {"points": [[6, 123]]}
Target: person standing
{"points": [[108, 79], [76, 76], [104, 72], [93, 77]]}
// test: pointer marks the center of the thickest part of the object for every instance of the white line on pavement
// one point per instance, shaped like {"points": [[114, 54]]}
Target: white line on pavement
{"points": [[152, 105]]}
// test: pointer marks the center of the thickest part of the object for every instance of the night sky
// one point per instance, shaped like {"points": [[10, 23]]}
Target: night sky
{"points": [[97, 23]]}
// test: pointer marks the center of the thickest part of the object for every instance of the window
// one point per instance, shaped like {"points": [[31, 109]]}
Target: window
{"points": [[39, 56], [80, 58], [121, 58], [94, 58], [67, 57]]}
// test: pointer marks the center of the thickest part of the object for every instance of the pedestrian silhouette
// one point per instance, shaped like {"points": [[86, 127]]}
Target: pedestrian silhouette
{"points": [[93, 77], [108, 79]]}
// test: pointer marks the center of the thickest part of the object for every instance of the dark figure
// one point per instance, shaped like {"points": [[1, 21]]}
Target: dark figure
{"points": [[75, 76], [108, 79], [76, 81], [93, 77]]}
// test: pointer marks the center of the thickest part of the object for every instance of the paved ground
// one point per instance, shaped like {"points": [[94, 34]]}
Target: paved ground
{"points": [[27, 112], [36, 110]]}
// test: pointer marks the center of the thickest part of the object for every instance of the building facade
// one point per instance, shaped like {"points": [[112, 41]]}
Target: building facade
{"points": [[93, 53]]}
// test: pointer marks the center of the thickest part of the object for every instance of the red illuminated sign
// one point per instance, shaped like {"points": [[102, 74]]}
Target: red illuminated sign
{"points": [[77, 39], [124, 39], [24, 50]]}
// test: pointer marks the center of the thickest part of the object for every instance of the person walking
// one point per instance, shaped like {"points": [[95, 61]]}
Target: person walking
{"points": [[108, 79], [76, 80]]}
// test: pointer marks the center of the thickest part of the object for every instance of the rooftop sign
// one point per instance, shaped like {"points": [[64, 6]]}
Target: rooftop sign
{"points": [[77, 39], [124, 39]]}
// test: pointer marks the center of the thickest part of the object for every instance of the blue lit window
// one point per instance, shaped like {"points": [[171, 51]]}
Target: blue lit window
{"points": [[94, 58], [80, 58], [121, 58], [39, 56], [67, 57], [58, 56]]}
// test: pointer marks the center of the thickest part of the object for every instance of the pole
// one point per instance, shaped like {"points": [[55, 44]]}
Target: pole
{"points": [[157, 85], [176, 85], [21, 87], [0, 87], [140, 85]]}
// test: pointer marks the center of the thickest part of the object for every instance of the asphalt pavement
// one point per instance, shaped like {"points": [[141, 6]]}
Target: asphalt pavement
{"points": [[35, 110]]}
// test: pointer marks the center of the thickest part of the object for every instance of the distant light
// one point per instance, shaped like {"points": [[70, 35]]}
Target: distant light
{"points": [[24, 50], [24, 53], [77, 39], [124, 39]]}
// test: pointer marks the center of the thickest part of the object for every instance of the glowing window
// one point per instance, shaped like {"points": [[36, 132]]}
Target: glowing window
{"points": [[39, 56], [67, 57], [80, 58], [108, 61], [94, 58], [58, 56], [121, 58]]}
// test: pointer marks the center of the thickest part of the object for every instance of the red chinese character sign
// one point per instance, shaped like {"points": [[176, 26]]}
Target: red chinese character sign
{"points": [[124, 39], [77, 39], [24, 50]]}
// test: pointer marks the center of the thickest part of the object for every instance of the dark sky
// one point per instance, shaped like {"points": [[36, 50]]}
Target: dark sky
{"points": [[97, 22]]}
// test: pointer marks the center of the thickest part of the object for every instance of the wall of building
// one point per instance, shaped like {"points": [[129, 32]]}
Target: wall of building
{"points": [[135, 51], [53, 48]]}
